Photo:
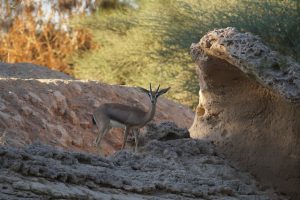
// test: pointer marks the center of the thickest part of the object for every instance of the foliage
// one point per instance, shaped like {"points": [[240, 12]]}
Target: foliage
{"points": [[48, 47], [26, 39], [152, 44], [133, 53]]}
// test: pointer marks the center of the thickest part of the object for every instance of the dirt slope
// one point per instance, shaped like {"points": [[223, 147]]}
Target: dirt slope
{"points": [[38, 104]]}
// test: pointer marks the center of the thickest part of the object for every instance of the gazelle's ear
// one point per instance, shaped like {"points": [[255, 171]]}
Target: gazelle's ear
{"points": [[162, 91], [143, 90]]}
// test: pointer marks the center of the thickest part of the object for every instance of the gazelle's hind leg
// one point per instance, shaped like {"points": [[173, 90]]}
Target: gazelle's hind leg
{"points": [[101, 134], [103, 127], [100, 138]]}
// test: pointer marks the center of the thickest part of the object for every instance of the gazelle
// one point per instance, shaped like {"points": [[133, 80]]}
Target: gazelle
{"points": [[114, 115]]}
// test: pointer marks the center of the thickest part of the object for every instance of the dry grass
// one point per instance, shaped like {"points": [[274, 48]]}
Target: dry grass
{"points": [[47, 45]]}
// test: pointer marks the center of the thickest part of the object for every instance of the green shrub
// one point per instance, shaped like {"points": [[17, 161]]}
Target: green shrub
{"points": [[152, 44]]}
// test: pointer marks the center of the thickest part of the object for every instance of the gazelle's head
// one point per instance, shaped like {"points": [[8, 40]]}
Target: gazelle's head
{"points": [[154, 95]]}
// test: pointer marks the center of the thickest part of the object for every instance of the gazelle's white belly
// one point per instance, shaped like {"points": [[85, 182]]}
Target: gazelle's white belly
{"points": [[116, 124]]}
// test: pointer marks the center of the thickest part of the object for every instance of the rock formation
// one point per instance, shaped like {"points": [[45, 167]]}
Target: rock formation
{"points": [[169, 167], [249, 108], [249, 105], [38, 104]]}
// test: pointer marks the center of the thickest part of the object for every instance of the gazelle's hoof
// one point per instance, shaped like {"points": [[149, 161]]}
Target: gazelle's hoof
{"points": [[95, 144]]}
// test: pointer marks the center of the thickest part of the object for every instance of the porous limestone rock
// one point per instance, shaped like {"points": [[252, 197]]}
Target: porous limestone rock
{"points": [[181, 168], [249, 105]]}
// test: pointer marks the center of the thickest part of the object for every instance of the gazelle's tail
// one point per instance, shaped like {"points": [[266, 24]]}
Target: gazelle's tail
{"points": [[94, 122]]}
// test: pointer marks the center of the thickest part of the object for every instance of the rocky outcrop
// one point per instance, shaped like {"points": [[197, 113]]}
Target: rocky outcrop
{"points": [[38, 104], [249, 105], [168, 167]]}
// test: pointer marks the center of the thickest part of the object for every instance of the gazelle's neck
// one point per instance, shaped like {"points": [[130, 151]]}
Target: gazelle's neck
{"points": [[151, 112]]}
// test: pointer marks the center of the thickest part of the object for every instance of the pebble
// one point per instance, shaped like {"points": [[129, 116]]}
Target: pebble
{"points": [[61, 102], [76, 87], [2, 106], [34, 98], [85, 124], [26, 110], [71, 116]]}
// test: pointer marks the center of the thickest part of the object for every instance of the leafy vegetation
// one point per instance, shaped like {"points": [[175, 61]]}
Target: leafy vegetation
{"points": [[48, 47], [25, 39], [151, 44]]}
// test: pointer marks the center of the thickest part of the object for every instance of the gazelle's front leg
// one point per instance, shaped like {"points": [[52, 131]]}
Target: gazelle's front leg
{"points": [[136, 138], [126, 131]]}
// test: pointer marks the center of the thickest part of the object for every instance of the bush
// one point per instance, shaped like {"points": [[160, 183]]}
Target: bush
{"points": [[152, 44], [27, 40]]}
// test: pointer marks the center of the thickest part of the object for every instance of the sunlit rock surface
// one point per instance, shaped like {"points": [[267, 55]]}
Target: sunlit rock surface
{"points": [[39, 104], [249, 105]]}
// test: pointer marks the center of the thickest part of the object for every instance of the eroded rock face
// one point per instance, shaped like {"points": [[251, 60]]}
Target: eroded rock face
{"points": [[249, 104], [39, 104], [181, 168]]}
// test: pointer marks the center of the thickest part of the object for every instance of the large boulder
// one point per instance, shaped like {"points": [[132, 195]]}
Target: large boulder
{"points": [[249, 105]]}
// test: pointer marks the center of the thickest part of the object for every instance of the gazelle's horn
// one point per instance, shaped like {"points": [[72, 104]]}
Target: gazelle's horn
{"points": [[150, 88], [157, 89]]}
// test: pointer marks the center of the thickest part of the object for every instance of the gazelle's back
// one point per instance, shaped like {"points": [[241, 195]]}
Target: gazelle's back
{"points": [[121, 113]]}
